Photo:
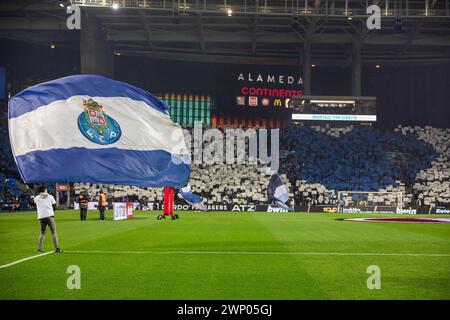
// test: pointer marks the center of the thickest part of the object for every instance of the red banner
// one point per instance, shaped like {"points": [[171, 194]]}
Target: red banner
{"points": [[129, 209]]}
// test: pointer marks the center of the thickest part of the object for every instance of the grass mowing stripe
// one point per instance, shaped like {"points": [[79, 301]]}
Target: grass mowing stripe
{"points": [[267, 253], [24, 259]]}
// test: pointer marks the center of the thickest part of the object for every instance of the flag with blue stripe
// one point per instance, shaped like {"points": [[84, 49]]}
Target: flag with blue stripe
{"points": [[93, 129], [193, 199], [187, 194], [277, 191]]}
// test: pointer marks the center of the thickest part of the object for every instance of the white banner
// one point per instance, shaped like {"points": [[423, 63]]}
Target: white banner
{"points": [[120, 210]]}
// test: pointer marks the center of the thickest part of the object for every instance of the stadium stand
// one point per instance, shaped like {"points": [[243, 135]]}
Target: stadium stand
{"points": [[316, 163], [432, 185], [361, 159], [12, 193], [413, 161], [232, 184], [229, 184]]}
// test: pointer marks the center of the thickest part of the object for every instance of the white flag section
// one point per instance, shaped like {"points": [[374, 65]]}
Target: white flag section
{"points": [[94, 129]]}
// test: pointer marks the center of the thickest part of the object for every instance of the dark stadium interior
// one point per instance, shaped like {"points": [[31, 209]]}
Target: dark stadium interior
{"points": [[199, 51]]}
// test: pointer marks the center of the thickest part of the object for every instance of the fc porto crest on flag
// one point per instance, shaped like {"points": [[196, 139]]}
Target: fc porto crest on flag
{"points": [[96, 125]]}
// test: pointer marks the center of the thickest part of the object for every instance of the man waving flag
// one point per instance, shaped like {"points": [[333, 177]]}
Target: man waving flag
{"points": [[93, 129]]}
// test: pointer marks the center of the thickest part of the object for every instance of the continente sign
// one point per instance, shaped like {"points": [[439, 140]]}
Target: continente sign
{"points": [[267, 89]]}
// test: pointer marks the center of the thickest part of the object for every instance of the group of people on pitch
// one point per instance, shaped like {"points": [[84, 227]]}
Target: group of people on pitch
{"points": [[83, 202]]}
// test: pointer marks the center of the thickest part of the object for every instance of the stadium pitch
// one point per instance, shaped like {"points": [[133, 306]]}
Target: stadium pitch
{"points": [[224, 255]]}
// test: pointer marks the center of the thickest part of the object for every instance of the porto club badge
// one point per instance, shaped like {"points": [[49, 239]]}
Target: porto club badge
{"points": [[96, 125]]}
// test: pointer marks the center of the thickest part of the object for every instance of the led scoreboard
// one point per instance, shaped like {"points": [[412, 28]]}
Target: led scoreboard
{"points": [[333, 108]]}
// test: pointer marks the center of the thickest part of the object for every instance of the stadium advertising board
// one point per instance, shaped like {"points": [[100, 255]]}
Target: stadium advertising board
{"points": [[372, 209], [441, 210], [420, 210], [219, 207], [129, 208], [314, 208], [317, 208], [266, 89], [375, 209]]}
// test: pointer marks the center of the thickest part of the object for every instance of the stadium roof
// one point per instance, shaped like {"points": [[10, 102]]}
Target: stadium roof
{"points": [[246, 30]]}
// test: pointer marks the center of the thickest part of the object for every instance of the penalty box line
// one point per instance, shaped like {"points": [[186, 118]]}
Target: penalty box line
{"points": [[265, 253], [24, 259]]}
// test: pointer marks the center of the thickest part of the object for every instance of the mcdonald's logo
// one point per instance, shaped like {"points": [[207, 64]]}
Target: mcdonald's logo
{"points": [[277, 102]]}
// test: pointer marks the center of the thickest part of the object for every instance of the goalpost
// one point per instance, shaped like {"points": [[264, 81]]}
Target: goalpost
{"points": [[369, 201]]}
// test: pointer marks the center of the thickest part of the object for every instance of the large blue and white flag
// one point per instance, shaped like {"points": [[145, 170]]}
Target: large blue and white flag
{"points": [[193, 199], [93, 129], [277, 192]]}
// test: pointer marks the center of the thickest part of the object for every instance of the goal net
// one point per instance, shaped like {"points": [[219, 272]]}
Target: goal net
{"points": [[369, 202]]}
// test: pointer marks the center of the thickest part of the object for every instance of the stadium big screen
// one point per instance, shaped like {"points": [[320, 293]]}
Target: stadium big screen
{"points": [[320, 108]]}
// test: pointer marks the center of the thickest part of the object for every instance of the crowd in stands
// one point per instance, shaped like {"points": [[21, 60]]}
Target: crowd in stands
{"points": [[324, 160], [11, 197], [432, 184], [226, 184], [316, 163], [319, 161], [14, 194]]}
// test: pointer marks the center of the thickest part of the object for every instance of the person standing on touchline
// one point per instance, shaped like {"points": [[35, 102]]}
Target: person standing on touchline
{"points": [[45, 206]]}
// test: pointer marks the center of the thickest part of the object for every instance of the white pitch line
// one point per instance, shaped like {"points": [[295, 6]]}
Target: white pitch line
{"points": [[267, 253], [24, 259]]}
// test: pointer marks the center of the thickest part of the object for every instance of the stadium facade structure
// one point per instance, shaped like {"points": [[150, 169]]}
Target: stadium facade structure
{"points": [[270, 32]]}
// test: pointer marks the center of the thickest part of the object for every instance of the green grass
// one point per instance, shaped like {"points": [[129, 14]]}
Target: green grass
{"points": [[187, 274]]}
